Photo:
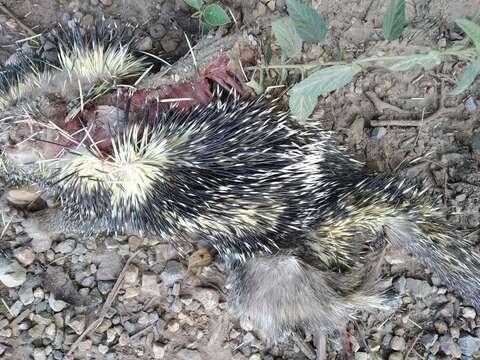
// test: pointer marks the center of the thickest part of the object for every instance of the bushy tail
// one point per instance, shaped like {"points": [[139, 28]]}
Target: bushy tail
{"points": [[440, 248]]}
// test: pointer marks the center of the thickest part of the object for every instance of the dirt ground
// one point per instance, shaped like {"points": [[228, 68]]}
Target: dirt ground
{"points": [[159, 313]]}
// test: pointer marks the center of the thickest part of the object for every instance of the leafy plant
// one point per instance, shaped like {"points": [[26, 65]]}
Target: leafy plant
{"points": [[211, 15], [305, 24], [394, 20]]}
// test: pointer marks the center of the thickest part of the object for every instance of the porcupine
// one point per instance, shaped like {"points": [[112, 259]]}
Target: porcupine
{"points": [[298, 222]]}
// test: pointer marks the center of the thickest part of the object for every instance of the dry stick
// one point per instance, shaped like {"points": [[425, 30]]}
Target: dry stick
{"points": [[434, 116], [7, 12], [382, 105], [304, 347], [106, 306]]}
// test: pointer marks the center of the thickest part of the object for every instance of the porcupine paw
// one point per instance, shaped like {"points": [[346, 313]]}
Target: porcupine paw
{"points": [[280, 294]]}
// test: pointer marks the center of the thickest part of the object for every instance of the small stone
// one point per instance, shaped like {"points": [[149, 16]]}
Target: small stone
{"points": [[169, 44], [65, 247], [129, 326], [78, 324], [16, 308], [173, 326], [418, 288], [429, 339], [397, 343], [158, 351], [255, 357], [109, 266], [12, 274], [469, 313], [209, 298], [441, 326], [361, 356], [105, 287], [111, 243], [174, 271], [36, 331], [39, 354], [106, 2], [131, 275], [448, 346], [123, 339], [378, 133], [131, 292], [38, 293], [157, 31], [134, 242], [25, 295], [149, 285], [395, 356], [26, 199], [145, 44], [56, 305], [88, 281], [248, 338], [186, 354], [24, 255], [470, 104], [50, 331], [102, 349], [469, 345]]}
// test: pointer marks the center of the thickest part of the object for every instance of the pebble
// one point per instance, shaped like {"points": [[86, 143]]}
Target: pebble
{"points": [[150, 286], [469, 345], [129, 326], [12, 274], [441, 326], [255, 356], [469, 313], [131, 275], [109, 266], [77, 324], [104, 287], [24, 255], [36, 331], [395, 356], [26, 295], [50, 331], [448, 346], [173, 326], [429, 339], [397, 343], [103, 349], [39, 354], [131, 292], [169, 44], [174, 271], [157, 31], [145, 44], [378, 133], [470, 104], [186, 354], [25, 199], [209, 298], [123, 339], [88, 281], [134, 242], [65, 247], [106, 2], [56, 305], [158, 351]]}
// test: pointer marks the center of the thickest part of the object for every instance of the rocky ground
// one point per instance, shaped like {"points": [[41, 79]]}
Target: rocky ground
{"points": [[149, 303]]}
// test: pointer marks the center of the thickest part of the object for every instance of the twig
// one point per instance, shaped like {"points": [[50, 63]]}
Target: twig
{"points": [[304, 347], [413, 344], [395, 122], [381, 105], [7, 12], [106, 306]]}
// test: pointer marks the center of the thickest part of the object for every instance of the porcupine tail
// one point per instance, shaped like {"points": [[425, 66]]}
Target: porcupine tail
{"points": [[440, 248]]}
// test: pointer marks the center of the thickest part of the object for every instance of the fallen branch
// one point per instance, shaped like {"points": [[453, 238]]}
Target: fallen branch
{"points": [[7, 12]]}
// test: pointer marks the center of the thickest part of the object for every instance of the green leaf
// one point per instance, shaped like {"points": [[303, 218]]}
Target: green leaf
{"points": [[469, 75], [471, 29], [308, 22], [197, 4], [214, 15], [196, 14], [323, 81], [426, 61], [302, 106], [287, 36], [394, 20]]}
